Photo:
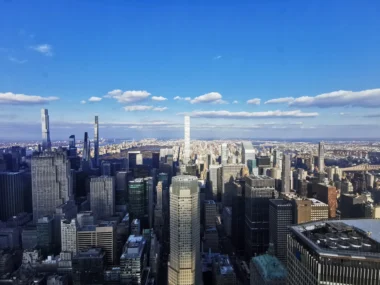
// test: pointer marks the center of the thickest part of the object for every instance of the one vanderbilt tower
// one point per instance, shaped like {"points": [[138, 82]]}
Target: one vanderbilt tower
{"points": [[46, 143]]}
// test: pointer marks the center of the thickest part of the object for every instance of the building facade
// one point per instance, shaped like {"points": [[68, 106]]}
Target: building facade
{"points": [[102, 196]]}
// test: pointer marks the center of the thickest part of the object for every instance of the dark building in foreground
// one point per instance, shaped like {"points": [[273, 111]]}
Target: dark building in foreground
{"points": [[11, 194], [258, 191], [88, 266], [334, 252]]}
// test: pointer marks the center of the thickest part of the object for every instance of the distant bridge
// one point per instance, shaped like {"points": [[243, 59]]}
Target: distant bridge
{"points": [[361, 167]]}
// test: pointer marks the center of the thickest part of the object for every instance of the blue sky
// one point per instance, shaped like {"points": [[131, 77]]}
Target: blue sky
{"points": [[222, 60]]}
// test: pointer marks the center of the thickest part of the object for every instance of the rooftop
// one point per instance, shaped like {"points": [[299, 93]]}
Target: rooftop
{"points": [[134, 247], [269, 267], [353, 238], [209, 202], [225, 266]]}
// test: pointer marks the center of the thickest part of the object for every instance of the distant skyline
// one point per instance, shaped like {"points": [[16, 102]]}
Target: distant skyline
{"points": [[240, 69]]}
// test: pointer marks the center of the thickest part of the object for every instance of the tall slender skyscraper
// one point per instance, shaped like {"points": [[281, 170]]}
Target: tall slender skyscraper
{"points": [[224, 153], [184, 265], [96, 141], [46, 143], [285, 174], [85, 147], [321, 157], [186, 152]]}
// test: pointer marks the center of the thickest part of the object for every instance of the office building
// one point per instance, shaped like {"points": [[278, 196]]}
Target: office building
{"points": [[229, 173], [354, 206], [10, 238], [224, 154], [184, 266], [247, 153], [319, 210], [139, 159], [285, 175], [211, 239], [158, 212], [227, 220], [238, 217], [334, 252], [102, 196], [148, 203], [45, 234], [51, 182], [11, 194], [223, 271], [258, 191], [136, 198], [105, 168], [328, 195], [214, 179], [29, 237], [96, 142], [187, 147], [88, 266], [85, 153], [46, 143], [321, 157], [136, 227], [133, 260], [210, 213], [346, 187], [69, 230], [277, 158], [267, 270], [85, 218], [102, 235]]}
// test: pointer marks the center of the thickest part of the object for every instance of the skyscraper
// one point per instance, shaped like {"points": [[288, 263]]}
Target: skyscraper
{"points": [[51, 182], [46, 143], [248, 152], [69, 230], [258, 191], [96, 141], [11, 194], [224, 153], [186, 151], [184, 265], [102, 196], [85, 155], [136, 198], [321, 157], [285, 174]]}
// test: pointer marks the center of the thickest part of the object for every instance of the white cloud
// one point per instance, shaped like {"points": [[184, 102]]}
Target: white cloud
{"points": [[138, 108], [265, 114], [255, 101], [11, 98], [182, 98], [128, 96], [159, 98], [280, 100], [160, 109], [217, 57], [16, 60], [366, 99], [212, 97], [83, 102], [235, 102], [95, 99], [45, 49]]}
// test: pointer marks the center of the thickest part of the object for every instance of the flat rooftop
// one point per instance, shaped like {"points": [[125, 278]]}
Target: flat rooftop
{"points": [[269, 267], [349, 238]]}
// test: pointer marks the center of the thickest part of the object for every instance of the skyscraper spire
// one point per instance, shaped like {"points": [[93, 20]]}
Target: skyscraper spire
{"points": [[96, 141], [186, 151], [321, 157], [46, 144]]}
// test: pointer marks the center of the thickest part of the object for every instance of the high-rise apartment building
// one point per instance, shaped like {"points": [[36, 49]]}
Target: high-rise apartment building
{"points": [[258, 191], [69, 230], [85, 154], [184, 265], [247, 153], [334, 252], [102, 235], [102, 196], [11, 194], [96, 141], [186, 151], [133, 260], [280, 218], [51, 182], [285, 175], [46, 143], [321, 157]]}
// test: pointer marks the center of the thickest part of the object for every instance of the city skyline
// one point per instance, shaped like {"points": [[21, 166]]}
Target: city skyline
{"points": [[258, 75]]}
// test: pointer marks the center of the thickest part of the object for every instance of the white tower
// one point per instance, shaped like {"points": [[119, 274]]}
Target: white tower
{"points": [[46, 144], [186, 153]]}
